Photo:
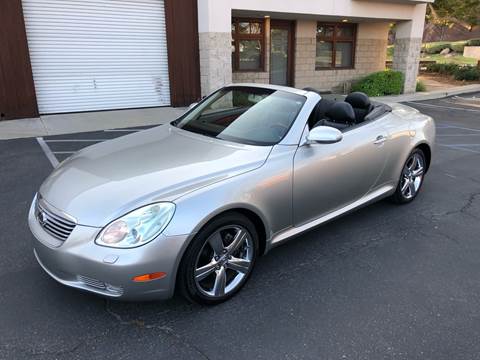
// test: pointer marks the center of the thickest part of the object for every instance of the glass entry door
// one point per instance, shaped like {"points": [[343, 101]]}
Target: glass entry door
{"points": [[281, 54]]}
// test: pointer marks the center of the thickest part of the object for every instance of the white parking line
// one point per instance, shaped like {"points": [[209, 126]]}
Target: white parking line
{"points": [[461, 128], [456, 147], [441, 106], [122, 130], [48, 153], [462, 144], [75, 140], [63, 152]]}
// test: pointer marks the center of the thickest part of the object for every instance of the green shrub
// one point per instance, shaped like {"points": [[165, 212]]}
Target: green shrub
{"points": [[444, 69], [459, 72], [473, 42], [436, 48], [420, 86], [381, 83], [468, 73], [432, 67], [458, 46]]}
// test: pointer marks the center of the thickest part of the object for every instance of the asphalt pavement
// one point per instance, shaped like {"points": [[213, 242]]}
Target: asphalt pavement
{"points": [[385, 282]]}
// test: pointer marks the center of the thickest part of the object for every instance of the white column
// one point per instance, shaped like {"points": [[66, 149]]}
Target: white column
{"points": [[215, 39], [408, 43]]}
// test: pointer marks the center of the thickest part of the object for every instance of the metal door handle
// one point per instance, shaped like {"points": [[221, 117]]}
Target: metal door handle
{"points": [[380, 140]]}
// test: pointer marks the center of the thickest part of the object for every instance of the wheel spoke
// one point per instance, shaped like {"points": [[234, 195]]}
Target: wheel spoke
{"points": [[413, 162], [220, 282], [202, 272], [405, 186], [216, 243], [411, 186], [417, 172], [238, 265], [238, 240]]}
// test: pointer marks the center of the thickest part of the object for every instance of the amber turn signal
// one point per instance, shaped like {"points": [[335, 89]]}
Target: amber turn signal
{"points": [[149, 277]]}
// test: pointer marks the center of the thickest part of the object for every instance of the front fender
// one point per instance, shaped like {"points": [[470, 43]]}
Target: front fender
{"points": [[266, 191]]}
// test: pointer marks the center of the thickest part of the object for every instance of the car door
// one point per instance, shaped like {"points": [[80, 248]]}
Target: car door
{"points": [[328, 177]]}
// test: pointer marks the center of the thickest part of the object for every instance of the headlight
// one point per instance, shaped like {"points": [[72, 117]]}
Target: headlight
{"points": [[137, 227]]}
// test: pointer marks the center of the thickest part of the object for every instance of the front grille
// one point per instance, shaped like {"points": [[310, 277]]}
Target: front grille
{"points": [[55, 225], [92, 282], [100, 285]]}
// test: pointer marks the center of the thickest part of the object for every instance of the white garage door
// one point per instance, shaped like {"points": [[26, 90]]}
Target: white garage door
{"points": [[97, 54]]}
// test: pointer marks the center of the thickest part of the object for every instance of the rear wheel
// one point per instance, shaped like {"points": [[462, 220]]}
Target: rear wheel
{"points": [[411, 179], [219, 260]]}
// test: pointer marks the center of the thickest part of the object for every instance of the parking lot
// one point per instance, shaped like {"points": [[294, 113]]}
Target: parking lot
{"points": [[385, 282]]}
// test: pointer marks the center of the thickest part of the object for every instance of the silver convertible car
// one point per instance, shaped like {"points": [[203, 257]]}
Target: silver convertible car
{"points": [[191, 205]]}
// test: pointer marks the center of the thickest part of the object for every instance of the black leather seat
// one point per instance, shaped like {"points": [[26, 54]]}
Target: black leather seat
{"points": [[320, 111], [340, 116], [361, 105]]}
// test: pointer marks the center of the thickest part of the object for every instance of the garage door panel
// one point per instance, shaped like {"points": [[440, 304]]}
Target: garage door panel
{"points": [[101, 94], [96, 55]]}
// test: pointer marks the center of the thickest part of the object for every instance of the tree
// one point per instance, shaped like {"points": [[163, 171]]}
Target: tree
{"points": [[467, 12], [446, 13]]}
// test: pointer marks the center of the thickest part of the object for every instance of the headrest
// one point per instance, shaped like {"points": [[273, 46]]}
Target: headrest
{"points": [[341, 112], [358, 100]]}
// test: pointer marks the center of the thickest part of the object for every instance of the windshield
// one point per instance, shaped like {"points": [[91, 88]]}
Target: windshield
{"points": [[246, 115]]}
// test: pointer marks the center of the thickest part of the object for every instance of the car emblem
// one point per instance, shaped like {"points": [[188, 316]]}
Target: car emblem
{"points": [[42, 218]]}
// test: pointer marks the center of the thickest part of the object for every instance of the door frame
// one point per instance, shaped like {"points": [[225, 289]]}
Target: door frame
{"points": [[290, 26]]}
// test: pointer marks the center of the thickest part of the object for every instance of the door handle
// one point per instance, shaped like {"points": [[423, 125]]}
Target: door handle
{"points": [[380, 139]]}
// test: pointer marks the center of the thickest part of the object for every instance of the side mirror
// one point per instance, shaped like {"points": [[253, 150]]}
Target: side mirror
{"points": [[324, 135], [192, 105]]}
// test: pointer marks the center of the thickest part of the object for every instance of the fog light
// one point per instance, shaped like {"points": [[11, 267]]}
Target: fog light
{"points": [[114, 289], [149, 277]]}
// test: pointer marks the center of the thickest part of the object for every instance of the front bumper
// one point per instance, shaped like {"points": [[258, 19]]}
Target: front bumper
{"points": [[78, 262]]}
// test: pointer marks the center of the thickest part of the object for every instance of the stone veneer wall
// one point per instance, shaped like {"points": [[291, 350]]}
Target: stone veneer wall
{"points": [[370, 56], [215, 60], [251, 77], [406, 58]]}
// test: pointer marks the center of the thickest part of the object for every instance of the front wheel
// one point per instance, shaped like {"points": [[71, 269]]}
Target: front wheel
{"points": [[219, 260], [411, 179]]}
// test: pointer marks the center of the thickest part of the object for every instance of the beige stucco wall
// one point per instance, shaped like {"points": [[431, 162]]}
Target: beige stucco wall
{"points": [[370, 56], [472, 51], [376, 9]]}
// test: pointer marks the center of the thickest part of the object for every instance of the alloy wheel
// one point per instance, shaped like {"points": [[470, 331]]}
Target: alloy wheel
{"points": [[412, 176], [224, 261]]}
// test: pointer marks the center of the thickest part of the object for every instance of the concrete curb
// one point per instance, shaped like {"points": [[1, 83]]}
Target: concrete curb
{"points": [[431, 95], [88, 121]]}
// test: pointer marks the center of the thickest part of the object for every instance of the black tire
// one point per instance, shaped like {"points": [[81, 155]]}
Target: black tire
{"points": [[186, 281], [400, 197]]}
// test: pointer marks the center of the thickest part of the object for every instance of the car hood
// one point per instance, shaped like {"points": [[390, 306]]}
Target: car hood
{"points": [[104, 181]]}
